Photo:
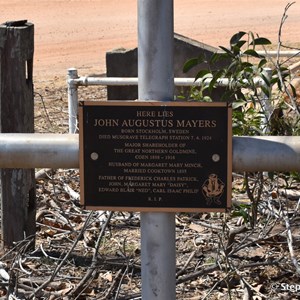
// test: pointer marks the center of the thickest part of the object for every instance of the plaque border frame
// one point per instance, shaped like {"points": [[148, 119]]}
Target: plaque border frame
{"points": [[147, 103]]}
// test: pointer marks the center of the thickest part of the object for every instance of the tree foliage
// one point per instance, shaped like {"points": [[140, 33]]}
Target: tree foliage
{"points": [[255, 85]]}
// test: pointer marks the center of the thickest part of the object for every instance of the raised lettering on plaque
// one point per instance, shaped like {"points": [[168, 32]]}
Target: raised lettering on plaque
{"points": [[155, 156]]}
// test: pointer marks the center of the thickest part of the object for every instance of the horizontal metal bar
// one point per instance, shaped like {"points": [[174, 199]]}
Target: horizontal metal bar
{"points": [[266, 153], [20, 150], [129, 81], [113, 81], [275, 53]]}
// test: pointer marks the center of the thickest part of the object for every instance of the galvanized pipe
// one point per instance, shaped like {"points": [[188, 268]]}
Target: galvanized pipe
{"points": [[109, 81], [130, 81], [34, 150], [72, 99], [156, 82], [274, 53], [20, 150], [266, 153]]}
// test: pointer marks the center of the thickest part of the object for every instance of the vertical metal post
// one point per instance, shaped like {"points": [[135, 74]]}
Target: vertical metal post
{"points": [[72, 100], [156, 82]]}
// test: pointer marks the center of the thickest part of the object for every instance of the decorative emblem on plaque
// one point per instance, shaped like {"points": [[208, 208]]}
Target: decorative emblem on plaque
{"points": [[212, 189]]}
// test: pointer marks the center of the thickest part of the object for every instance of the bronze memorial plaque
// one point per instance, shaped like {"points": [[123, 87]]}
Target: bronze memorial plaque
{"points": [[155, 156]]}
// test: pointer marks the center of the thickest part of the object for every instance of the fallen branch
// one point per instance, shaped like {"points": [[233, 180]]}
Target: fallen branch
{"points": [[194, 275], [43, 173], [231, 237], [186, 264], [289, 238], [50, 279], [81, 286]]}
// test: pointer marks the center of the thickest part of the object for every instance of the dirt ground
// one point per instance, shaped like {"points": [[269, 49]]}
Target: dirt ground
{"points": [[78, 33]]}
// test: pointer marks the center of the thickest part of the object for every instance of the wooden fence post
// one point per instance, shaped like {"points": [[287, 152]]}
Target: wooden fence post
{"points": [[17, 186]]}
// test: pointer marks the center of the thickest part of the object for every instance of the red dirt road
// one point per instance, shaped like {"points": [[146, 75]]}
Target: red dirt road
{"points": [[75, 33]]}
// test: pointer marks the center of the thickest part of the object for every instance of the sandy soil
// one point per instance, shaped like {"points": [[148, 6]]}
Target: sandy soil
{"points": [[73, 33]]}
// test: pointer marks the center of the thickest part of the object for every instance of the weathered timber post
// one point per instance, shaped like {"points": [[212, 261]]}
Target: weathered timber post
{"points": [[17, 186]]}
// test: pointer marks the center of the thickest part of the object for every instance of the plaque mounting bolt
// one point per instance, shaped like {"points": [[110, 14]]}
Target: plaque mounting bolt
{"points": [[94, 156], [216, 157]]}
